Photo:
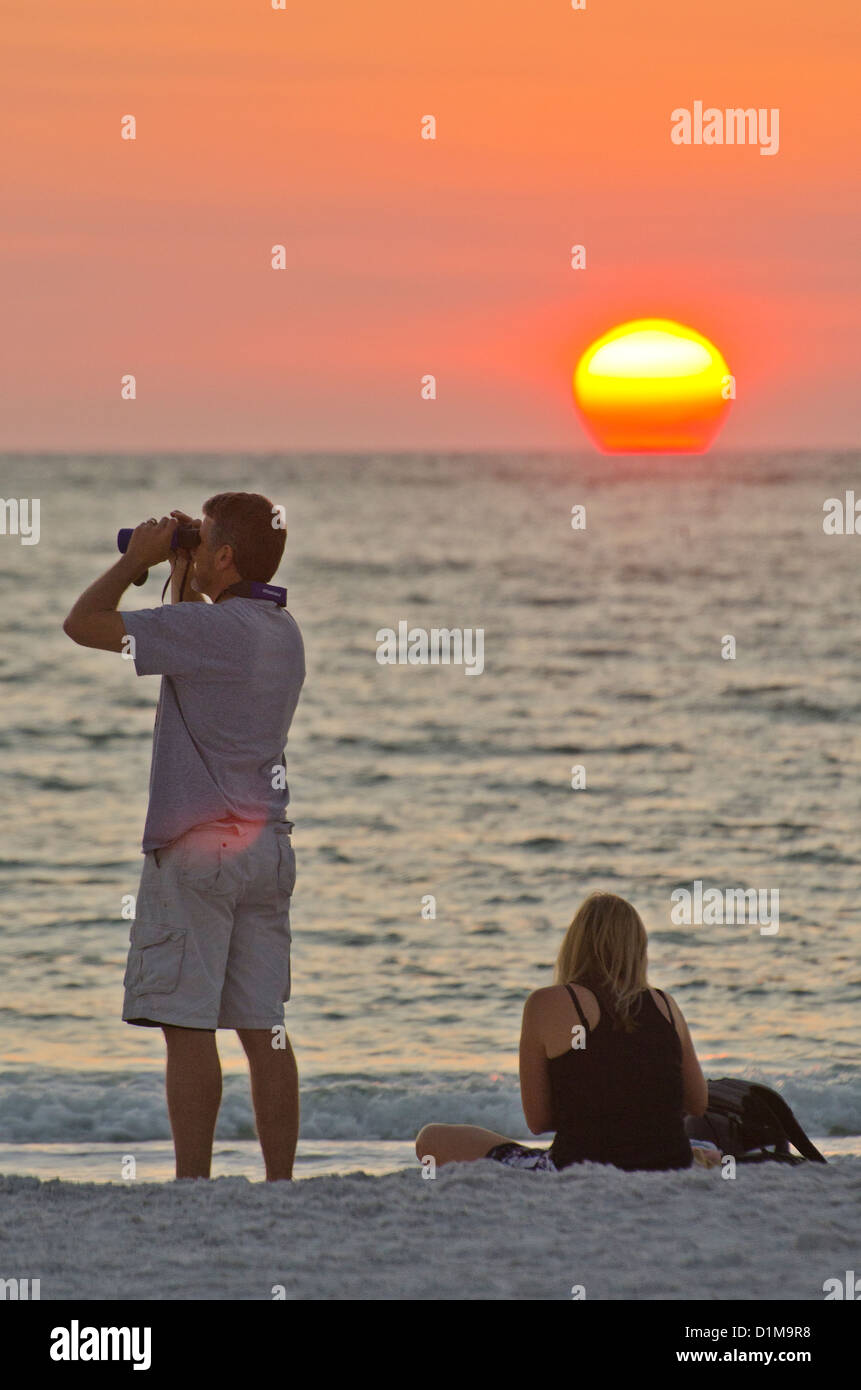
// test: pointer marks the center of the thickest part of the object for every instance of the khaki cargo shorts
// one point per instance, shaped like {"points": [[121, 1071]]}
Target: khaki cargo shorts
{"points": [[210, 942]]}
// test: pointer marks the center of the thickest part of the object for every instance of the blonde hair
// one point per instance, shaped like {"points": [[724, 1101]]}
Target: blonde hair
{"points": [[606, 947]]}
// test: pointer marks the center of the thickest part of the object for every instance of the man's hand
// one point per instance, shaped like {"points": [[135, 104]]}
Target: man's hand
{"points": [[185, 520], [150, 543], [181, 561]]}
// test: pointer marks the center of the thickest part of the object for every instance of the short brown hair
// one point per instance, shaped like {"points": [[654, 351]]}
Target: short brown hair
{"points": [[244, 520]]}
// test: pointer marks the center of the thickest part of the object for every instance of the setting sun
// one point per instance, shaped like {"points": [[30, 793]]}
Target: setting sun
{"points": [[653, 386]]}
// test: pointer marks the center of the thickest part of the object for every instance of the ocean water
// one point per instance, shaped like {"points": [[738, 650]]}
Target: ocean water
{"points": [[602, 649]]}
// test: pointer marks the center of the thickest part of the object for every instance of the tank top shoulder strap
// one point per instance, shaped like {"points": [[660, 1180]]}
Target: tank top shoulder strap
{"points": [[576, 1002], [669, 1008]]}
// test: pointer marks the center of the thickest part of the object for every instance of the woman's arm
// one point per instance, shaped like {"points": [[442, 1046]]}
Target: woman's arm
{"points": [[534, 1074], [696, 1090]]}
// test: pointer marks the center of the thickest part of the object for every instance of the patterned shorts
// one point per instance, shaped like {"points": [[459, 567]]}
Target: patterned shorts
{"points": [[520, 1156]]}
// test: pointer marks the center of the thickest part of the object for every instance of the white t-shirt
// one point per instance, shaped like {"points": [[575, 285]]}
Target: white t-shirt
{"points": [[231, 676]]}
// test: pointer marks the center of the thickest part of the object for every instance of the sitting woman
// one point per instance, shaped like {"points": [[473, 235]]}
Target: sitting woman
{"points": [[605, 1061]]}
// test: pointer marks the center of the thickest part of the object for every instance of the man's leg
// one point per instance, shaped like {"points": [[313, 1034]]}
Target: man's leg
{"points": [[275, 1093], [193, 1096]]}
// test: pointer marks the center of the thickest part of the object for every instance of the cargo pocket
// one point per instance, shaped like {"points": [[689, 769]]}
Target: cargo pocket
{"points": [[286, 870], [155, 959], [285, 874]]}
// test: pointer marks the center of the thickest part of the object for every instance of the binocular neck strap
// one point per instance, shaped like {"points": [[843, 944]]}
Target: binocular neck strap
{"points": [[251, 588]]}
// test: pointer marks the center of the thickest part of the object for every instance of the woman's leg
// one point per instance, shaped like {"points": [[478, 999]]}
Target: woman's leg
{"points": [[456, 1143]]}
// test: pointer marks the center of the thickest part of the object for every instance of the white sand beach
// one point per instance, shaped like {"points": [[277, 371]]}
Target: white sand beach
{"points": [[474, 1232]]}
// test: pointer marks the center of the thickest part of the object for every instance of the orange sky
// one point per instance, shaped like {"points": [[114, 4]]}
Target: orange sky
{"points": [[407, 256]]}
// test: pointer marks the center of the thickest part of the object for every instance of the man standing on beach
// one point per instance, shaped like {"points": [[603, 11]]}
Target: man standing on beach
{"points": [[210, 943]]}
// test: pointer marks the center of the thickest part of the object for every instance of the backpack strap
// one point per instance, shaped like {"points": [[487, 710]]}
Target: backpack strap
{"points": [[786, 1120]]}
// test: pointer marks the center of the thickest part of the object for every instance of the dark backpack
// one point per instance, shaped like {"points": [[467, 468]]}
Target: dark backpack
{"points": [[751, 1122]]}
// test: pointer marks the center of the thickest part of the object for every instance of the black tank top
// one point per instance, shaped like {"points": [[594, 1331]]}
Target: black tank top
{"points": [[619, 1098]]}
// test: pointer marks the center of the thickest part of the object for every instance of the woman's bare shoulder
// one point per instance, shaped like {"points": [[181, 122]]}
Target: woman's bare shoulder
{"points": [[549, 996], [554, 1002]]}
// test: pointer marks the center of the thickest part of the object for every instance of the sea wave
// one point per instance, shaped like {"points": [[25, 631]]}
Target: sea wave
{"points": [[123, 1107]]}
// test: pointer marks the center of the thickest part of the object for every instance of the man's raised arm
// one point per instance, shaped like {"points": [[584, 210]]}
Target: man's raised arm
{"points": [[93, 620]]}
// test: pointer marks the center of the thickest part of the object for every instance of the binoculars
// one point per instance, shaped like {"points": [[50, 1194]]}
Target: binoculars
{"points": [[184, 538]]}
